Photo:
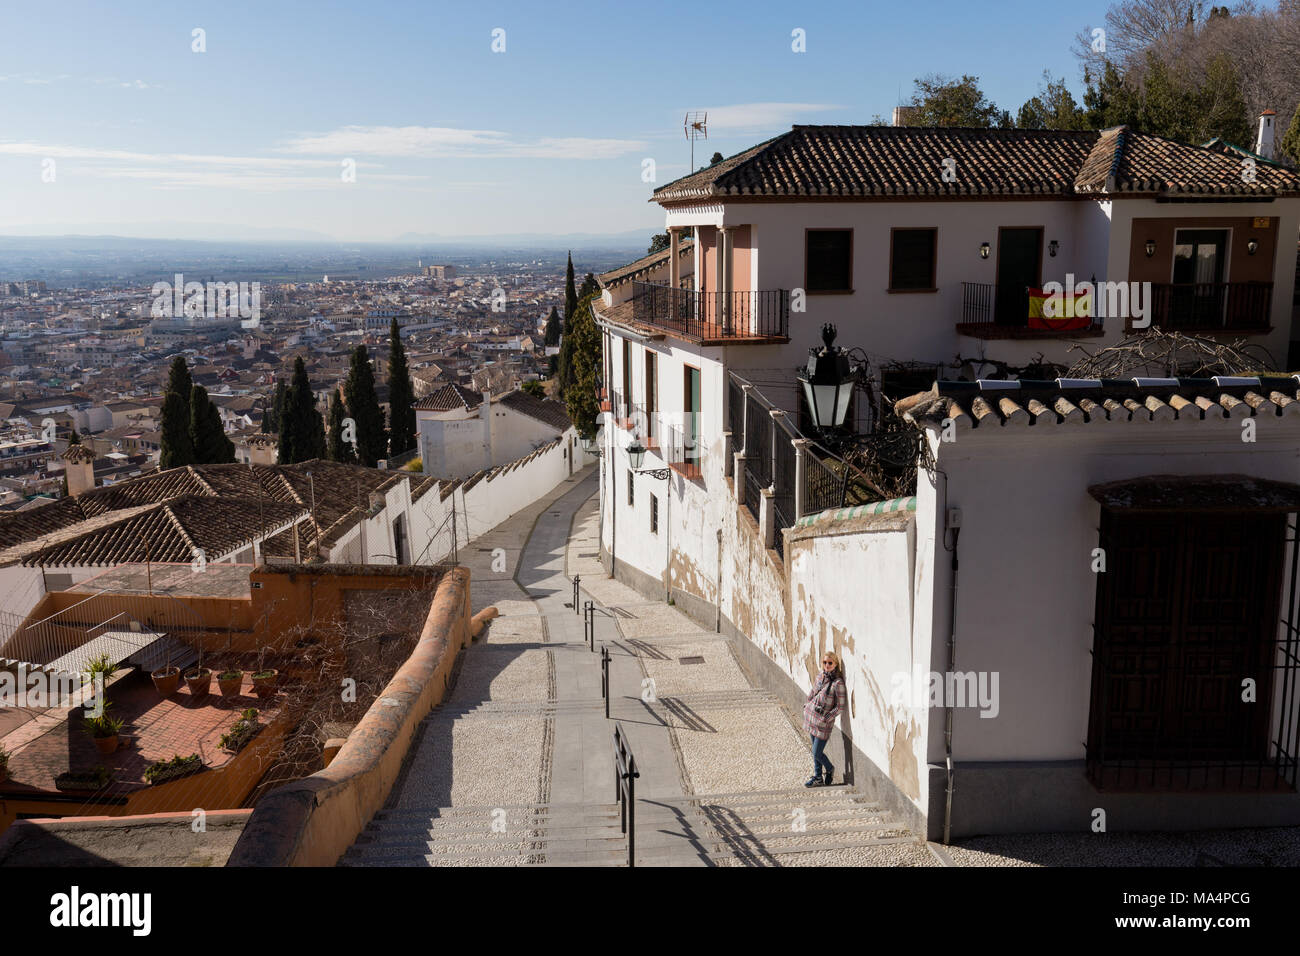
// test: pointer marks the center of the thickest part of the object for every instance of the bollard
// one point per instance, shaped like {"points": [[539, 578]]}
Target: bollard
{"points": [[589, 624], [576, 579], [604, 677]]}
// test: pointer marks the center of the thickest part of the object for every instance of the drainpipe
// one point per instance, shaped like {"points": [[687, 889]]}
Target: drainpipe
{"points": [[952, 667]]}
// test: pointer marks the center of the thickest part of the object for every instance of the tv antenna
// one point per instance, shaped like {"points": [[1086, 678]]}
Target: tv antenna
{"points": [[696, 127]]}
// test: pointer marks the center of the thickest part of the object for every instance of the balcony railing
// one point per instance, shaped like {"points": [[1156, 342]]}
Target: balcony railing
{"points": [[980, 319], [1211, 306], [736, 316]]}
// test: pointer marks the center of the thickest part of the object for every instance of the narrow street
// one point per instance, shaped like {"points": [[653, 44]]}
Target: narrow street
{"points": [[516, 767]]}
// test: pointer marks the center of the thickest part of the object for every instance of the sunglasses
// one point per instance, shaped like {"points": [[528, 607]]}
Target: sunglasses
{"points": [[828, 662]]}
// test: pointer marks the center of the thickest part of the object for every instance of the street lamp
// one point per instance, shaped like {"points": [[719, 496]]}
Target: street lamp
{"points": [[636, 454], [828, 382]]}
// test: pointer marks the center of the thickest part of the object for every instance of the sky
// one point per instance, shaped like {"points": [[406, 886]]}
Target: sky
{"points": [[371, 121]]}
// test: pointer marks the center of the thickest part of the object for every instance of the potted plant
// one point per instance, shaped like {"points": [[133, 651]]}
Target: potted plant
{"points": [[167, 678], [264, 678], [264, 682], [230, 683], [164, 771], [199, 679], [104, 730], [96, 779], [243, 730]]}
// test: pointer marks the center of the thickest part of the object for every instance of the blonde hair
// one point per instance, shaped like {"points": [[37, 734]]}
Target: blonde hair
{"points": [[839, 664]]}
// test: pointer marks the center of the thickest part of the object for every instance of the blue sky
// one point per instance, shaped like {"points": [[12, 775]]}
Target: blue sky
{"points": [[148, 137]]}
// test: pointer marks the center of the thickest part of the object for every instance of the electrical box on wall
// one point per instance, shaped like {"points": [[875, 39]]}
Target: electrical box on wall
{"points": [[954, 517]]}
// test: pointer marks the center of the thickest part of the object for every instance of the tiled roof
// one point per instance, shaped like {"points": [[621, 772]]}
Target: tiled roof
{"points": [[995, 404], [450, 397], [644, 264], [1123, 161], [870, 162], [236, 495], [169, 532], [545, 410]]}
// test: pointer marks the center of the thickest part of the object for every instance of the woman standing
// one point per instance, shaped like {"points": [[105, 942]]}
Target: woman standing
{"points": [[825, 701]]}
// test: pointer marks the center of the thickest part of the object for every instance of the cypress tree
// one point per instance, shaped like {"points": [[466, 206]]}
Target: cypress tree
{"points": [[74, 438], [207, 436], [570, 293], [338, 450], [363, 408], [176, 444], [552, 335], [302, 430], [272, 416], [580, 397], [401, 396]]}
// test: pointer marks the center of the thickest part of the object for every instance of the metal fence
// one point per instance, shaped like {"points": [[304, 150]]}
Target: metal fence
{"points": [[771, 461], [784, 463]]}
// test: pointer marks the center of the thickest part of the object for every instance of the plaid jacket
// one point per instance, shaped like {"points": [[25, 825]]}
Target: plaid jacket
{"points": [[833, 696]]}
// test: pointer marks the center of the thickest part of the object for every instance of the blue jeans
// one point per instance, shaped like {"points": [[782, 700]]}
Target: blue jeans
{"points": [[820, 759]]}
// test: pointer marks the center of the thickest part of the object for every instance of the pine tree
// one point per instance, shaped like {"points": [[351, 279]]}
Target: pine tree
{"points": [[302, 430], [176, 444], [589, 286], [207, 436], [338, 450], [363, 408], [401, 397], [552, 328]]}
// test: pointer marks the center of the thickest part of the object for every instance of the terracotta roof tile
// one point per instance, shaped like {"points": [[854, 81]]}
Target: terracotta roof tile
{"points": [[882, 162]]}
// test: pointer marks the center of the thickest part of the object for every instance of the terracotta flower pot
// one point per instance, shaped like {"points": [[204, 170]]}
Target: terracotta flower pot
{"points": [[106, 745], [231, 686], [265, 686], [199, 681], [166, 680]]}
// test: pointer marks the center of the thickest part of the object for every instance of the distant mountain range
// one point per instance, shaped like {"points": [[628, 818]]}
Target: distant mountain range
{"points": [[90, 235]]}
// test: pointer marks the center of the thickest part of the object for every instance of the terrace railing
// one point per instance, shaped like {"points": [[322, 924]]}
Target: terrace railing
{"points": [[1208, 306], [759, 314]]}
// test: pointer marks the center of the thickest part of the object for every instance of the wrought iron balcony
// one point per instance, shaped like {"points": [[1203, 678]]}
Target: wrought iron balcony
{"points": [[733, 317], [1212, 306], [981, 317]]}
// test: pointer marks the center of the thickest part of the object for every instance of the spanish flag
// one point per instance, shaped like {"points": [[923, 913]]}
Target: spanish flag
{"points": [[1073, 311]]}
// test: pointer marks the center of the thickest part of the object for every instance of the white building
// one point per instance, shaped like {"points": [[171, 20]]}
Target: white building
{"points": [[460, 432], [920, 245]]}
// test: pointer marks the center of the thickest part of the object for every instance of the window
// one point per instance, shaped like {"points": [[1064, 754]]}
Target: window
{"points": [[631, 500], [654, 514], [911, 260], [828, 260]]}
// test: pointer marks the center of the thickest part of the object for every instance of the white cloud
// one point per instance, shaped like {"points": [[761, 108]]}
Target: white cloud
{"points": [[437, 142]]}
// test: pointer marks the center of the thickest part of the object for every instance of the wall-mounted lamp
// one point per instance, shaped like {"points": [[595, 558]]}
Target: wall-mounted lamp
{"points": [[1052, 248], [1151, 248], [984, 250], [1252, 247]]}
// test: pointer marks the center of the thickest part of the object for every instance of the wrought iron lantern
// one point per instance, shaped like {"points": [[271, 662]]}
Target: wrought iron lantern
{"points": [[828, 382], [636, 454]]}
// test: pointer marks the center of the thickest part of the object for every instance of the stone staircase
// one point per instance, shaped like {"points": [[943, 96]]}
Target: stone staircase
{"points": [[533, 835], [767, 828]]}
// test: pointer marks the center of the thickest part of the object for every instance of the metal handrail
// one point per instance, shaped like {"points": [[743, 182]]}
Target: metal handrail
{"points": [[625, 776]]}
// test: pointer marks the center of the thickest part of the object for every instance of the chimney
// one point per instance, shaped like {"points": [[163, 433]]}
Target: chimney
{"points": [[263, 449], [79, 467], [1264, 142]]}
